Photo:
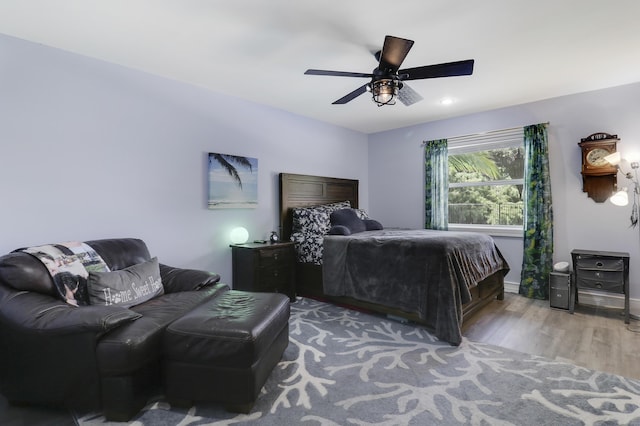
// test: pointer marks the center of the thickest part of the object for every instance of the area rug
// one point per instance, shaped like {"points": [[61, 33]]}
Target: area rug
{"points": [[344, 367]]}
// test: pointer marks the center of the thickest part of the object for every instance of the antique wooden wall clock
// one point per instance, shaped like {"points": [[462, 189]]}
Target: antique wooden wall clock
{"points": [[599, 178]]}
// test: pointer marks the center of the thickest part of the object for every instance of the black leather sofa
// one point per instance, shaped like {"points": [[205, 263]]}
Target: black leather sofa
{"points": [[93, 357]]}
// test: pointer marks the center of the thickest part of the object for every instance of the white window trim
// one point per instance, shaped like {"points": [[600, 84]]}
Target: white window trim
{"points": [[493, 230], [487, 183], [483, 142]]}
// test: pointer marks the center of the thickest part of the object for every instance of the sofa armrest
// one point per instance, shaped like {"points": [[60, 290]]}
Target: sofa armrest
{"points": [[180, 279], [48, 353], [39, 313]]}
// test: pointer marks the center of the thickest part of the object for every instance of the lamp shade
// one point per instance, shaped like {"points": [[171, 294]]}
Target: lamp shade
{"points": [[620, 198], [385, 91], [239, 235]]}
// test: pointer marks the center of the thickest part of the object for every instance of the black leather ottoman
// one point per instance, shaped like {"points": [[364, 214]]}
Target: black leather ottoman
{"points": [[224, 350]]}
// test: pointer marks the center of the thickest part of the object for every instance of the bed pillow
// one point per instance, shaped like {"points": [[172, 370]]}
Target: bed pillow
{"points": [[372, 225], [361, 214], [309, 247], [315, 220], [126, 287], [347, 222]]}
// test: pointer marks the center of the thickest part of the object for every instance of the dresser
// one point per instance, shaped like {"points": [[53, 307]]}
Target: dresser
{"points": [[601, 271], [264, 267]]}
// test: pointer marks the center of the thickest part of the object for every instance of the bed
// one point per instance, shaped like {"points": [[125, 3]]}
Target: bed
{"points": [[440, 304]]}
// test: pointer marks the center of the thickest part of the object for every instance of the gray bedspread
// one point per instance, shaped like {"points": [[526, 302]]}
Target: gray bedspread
{"points": [[424, 272]]}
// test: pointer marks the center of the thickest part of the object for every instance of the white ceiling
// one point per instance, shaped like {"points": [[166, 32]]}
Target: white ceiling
{"points": [[524, 50]]}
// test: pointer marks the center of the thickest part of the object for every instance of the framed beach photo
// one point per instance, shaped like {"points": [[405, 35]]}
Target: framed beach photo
{"points": [[233, 181]]}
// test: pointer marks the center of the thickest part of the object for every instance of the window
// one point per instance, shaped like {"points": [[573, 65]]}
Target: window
{"points": [[486, 178]]}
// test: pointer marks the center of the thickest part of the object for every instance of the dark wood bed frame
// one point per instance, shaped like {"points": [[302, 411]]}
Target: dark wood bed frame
{"points": [[304, 191]]}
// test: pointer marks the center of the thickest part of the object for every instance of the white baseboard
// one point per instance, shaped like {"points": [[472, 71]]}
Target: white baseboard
{"points": [[593, 298], [511, 287]]}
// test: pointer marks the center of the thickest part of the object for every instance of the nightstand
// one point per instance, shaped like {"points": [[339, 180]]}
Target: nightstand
{"points": [[604, 271], [264, 267]]}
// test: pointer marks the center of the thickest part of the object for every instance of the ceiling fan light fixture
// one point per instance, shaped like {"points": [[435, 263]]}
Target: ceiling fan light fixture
{"points": [[386, 79], [385, 91]]}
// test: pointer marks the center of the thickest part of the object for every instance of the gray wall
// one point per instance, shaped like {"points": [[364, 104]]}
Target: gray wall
{"points": [[93, 150], [396, 170]]}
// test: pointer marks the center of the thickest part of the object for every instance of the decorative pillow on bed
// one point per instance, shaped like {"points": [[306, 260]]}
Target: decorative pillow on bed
{"points": [[126, 287], [347, 222], [315, 220], [309, 247], [361, 214]]}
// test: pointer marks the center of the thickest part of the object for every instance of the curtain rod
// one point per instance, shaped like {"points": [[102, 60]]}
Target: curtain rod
{"points": [[546, 123]]}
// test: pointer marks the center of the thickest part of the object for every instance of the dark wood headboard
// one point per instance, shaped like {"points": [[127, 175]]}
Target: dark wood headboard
{"points": [[305, 191]]}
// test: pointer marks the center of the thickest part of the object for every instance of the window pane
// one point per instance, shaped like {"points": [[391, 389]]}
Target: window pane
{"points": [[486, 205], [483, 166]]}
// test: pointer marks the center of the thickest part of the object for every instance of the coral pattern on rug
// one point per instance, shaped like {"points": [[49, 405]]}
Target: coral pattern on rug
{"points": [[344, 367]]}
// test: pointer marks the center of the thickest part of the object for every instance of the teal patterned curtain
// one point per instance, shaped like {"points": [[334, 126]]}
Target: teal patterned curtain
{"points": [[537, 261], [436, 175]]}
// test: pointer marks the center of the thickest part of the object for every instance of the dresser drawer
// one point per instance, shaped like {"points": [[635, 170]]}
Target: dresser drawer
{"points": [[599, 263]]}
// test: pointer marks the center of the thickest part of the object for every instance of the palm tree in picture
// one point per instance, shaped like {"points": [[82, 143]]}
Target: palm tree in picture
{"points": [[226, 160]]}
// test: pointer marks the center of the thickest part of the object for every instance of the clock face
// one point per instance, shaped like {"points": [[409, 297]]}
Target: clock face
{"points": [[595, 157]]}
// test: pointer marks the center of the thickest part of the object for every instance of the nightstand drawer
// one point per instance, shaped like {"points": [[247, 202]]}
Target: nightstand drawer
{"points": [[599, 263], [608, 276], [274, 275], [270, 257], [594, 283]]}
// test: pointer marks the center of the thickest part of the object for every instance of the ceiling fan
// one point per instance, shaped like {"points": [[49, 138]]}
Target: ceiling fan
{"points": [[387, 79]]}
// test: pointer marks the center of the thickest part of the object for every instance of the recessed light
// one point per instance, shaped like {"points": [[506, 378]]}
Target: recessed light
{"points": [[446, 101]]}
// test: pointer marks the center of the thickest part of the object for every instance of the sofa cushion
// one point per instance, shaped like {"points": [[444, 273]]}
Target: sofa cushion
{"points": [[127, 287], [41, 314], [120, 253], [125, 349], [183, 279], [24, 272]]}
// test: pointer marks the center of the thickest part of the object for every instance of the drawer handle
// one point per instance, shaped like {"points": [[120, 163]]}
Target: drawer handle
{"points": [[598, 285], [599, 264], [275, 256]]}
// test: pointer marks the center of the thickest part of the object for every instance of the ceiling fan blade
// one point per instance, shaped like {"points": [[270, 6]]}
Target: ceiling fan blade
{"points": [[338, 73], [359, 91], [394, 51], [449, 69], [408, 96]]}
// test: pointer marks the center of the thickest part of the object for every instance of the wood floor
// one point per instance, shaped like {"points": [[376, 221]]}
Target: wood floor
{"points": [[594, 338]]}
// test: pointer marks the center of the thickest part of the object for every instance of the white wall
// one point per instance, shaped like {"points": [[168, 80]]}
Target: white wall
{"points": [[93, 150], [396, 170]]}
